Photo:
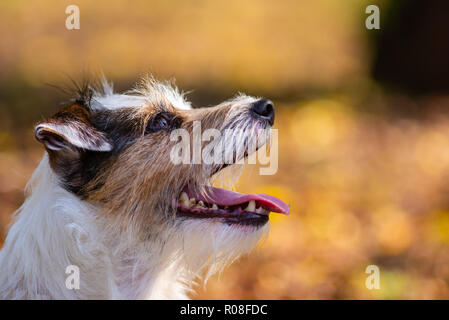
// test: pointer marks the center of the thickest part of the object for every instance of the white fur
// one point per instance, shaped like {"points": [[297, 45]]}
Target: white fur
{"points": [[148, 90], [54, 229]]}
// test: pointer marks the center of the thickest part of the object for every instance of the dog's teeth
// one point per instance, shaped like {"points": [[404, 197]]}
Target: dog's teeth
{"points": [[259, 210], [200, 205], [192, 202], [214, 207], [185, 204], [197, 205], [184, 196], [251, 206], [184, 199]]}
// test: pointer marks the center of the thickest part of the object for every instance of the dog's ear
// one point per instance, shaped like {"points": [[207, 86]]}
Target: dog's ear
{"points": [[71, 130]]}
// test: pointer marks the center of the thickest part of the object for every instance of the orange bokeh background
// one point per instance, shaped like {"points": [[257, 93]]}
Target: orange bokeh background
{"points": [[366, 185]]}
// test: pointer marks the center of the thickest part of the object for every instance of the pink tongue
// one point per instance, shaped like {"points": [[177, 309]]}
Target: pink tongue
{"points": [[224, 197]]}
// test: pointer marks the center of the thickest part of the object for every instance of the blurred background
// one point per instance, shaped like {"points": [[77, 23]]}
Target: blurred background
{"points": [[362, 117]]}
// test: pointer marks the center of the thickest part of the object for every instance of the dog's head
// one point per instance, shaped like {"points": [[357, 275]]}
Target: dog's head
{"points": [[146, 159]]}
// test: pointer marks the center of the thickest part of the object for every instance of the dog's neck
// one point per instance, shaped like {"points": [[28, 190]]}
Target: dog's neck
{"points": [[54, 229]]}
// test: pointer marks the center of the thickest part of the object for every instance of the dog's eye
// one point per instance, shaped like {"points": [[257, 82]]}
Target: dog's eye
{"points": [[161, 121]]}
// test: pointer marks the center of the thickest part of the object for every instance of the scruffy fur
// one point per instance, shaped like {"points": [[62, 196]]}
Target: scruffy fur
{"points": [[102, 199]]}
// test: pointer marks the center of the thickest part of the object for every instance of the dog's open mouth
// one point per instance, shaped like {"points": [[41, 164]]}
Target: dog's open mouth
{"points": [[232, 207]]}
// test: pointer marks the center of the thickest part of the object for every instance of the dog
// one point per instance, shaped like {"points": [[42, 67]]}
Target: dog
{"points": [[107, 202]]}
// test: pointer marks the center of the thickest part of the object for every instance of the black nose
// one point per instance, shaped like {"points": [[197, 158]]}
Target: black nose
{"points": [[264, 109]]}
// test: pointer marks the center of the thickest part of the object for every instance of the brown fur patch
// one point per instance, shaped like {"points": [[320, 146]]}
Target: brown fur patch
{"points": [[135, 183]]}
